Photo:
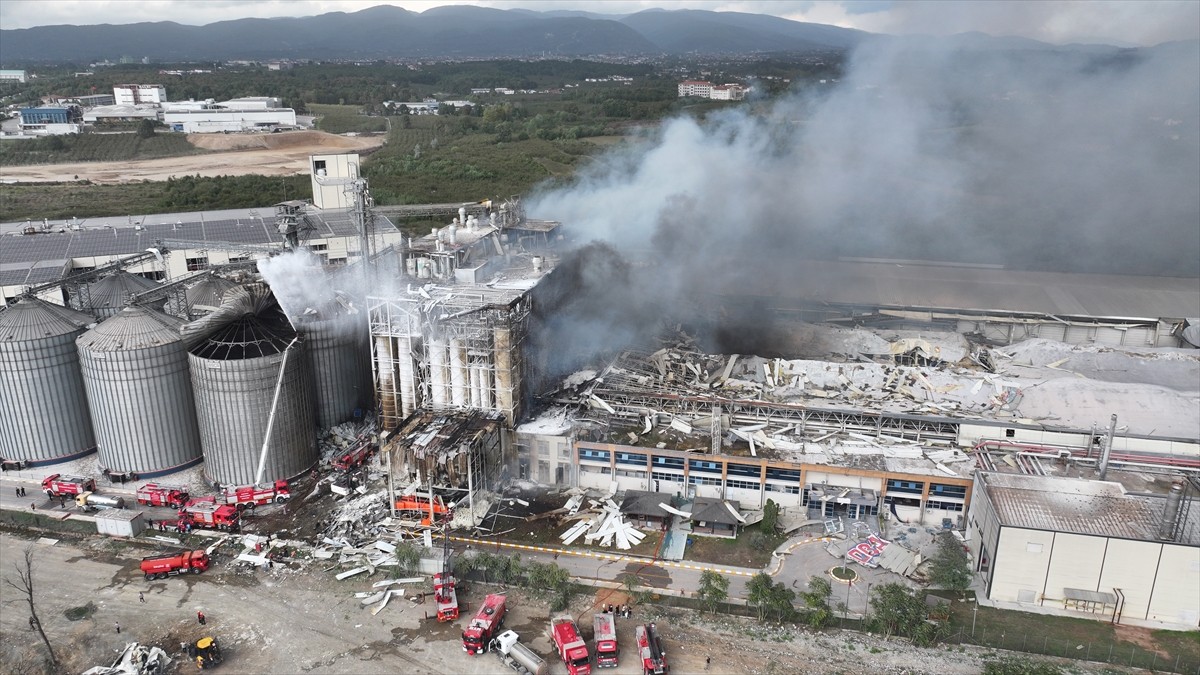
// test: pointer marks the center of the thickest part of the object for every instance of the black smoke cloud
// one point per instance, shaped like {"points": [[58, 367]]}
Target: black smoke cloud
{"points": [[1081, 160]]}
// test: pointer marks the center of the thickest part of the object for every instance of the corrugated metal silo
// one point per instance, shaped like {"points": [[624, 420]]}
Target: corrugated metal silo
{"points": [[43, 409], [236, 355], [338, 353], [139, 392], [106, 297], [205, 296]]}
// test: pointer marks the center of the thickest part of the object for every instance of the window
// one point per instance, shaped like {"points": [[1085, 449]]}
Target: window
{"points": [[747, 470], [564, 450], [950, 491], [701, 480], [664, 476], [634, 458], [594, 455], [703, 466], [1010, 433], [743, 484], [945, 506], [196, 264], [669, 462], [319, 167], [904, 486], [543, 448]]}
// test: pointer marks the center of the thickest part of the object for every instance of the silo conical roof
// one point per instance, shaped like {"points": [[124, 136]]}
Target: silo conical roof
{"points": [[208, 292], [112, 292], [34, 318], [132, 328]]}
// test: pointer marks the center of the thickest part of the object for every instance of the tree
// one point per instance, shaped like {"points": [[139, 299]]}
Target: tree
{"points": [[145, 129], [759, 596], [770, 517], [24, 586], [898, 610], [714, 589], [816, 599], [950, 567]]}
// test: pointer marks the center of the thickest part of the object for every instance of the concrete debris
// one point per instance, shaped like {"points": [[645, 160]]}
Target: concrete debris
{"points": [[349, 573], [386, 596], [135, 659], [389, 582], [602, 524]]}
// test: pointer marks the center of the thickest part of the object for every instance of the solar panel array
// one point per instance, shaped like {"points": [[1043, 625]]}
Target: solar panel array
{"points": [[117, 241]]}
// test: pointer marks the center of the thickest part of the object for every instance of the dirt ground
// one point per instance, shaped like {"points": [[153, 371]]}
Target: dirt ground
{"points": [[290, 620], [282, 154]]}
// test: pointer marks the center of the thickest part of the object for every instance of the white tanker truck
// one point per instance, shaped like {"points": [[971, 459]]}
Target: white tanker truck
{"points": [[90, 501], [517, 656]]}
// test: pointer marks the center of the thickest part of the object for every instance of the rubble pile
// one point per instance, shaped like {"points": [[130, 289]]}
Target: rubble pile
{"points": [[602, 523], [136, 659], [336, 440], [672, 391]]}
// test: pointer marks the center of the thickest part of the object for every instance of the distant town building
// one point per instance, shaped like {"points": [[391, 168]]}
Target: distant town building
{"points": [[88, 101], [706, 89], [698, 88], [109, 114], [133, 94], [12, 75], [51, 120]]}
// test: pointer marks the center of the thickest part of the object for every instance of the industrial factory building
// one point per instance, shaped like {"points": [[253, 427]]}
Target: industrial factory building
{"points": [[1090, 546]]}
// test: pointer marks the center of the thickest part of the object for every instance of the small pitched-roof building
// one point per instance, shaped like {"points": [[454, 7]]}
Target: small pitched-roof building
{"points": [[643, 508], [715, 517]]}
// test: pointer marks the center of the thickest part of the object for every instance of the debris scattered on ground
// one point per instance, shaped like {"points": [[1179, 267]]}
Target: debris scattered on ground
{"points": [[136, 659]]}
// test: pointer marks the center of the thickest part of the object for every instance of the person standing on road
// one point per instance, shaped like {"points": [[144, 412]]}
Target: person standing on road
{"points": [[141, 596], [200, 618], [32, 623], [118, 625]]}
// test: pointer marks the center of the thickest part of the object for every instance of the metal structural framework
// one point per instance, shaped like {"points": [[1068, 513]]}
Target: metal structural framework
{"points": [[449, 348]]}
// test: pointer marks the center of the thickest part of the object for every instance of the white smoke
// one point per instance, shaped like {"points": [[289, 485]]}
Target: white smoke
{"points": [[1083, 160]]}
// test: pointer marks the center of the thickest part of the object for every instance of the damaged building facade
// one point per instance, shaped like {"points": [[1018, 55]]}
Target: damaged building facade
{"points": [[448, 351]]}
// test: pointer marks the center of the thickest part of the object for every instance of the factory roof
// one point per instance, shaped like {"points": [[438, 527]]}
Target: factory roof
{"points": [[912, 285], [1078, 506], [54, 242], [643, 503]]}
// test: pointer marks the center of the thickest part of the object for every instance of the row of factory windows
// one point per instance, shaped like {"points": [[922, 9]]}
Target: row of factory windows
{"points": [[751, 471]]}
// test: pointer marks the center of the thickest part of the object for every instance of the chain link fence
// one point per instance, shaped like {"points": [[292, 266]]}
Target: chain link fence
{"points": [[1124, 654]]}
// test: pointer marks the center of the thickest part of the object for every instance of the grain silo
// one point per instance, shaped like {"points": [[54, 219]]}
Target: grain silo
{"points": [[237, 355], [106, 297], [338, 353], [43, 408], [205, 295], [139, 392]]}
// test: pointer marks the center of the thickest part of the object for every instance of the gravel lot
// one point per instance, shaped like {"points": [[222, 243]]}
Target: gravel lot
{"points": [[293, 621]]}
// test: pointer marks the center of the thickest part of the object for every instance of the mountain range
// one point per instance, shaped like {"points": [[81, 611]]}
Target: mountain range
{"points": [[386, 31]]}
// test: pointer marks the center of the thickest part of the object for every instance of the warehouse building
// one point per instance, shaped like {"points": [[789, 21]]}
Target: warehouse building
{"points": [[1088, 546], [51, 120]]}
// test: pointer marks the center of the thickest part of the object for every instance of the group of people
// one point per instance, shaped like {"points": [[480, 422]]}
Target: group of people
{"points": [[623, 611], [20, 492]]}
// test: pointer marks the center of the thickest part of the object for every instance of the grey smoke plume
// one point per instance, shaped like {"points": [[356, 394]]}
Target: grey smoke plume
{"points": [[1072, 160]]}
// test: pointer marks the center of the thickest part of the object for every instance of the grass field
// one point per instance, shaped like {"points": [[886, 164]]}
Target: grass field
{"points": [[1078, 638], [752, 548], [342, 119], [93, 147]]}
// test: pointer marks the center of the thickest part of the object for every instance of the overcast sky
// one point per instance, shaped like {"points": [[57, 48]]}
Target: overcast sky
{"points": [[1122, 22]]}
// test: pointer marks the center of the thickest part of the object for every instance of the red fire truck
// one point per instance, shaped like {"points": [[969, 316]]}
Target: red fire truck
{"points": [[570, 645], [650, 650], [57, 485], [361, 452], [206, 513], [162, 566], [605, 624], [486, 625], [153, 494], [445, 597], [250, 496]]}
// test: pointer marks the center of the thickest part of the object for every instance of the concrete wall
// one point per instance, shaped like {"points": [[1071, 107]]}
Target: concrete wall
{"points": [[1160, 581]]}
